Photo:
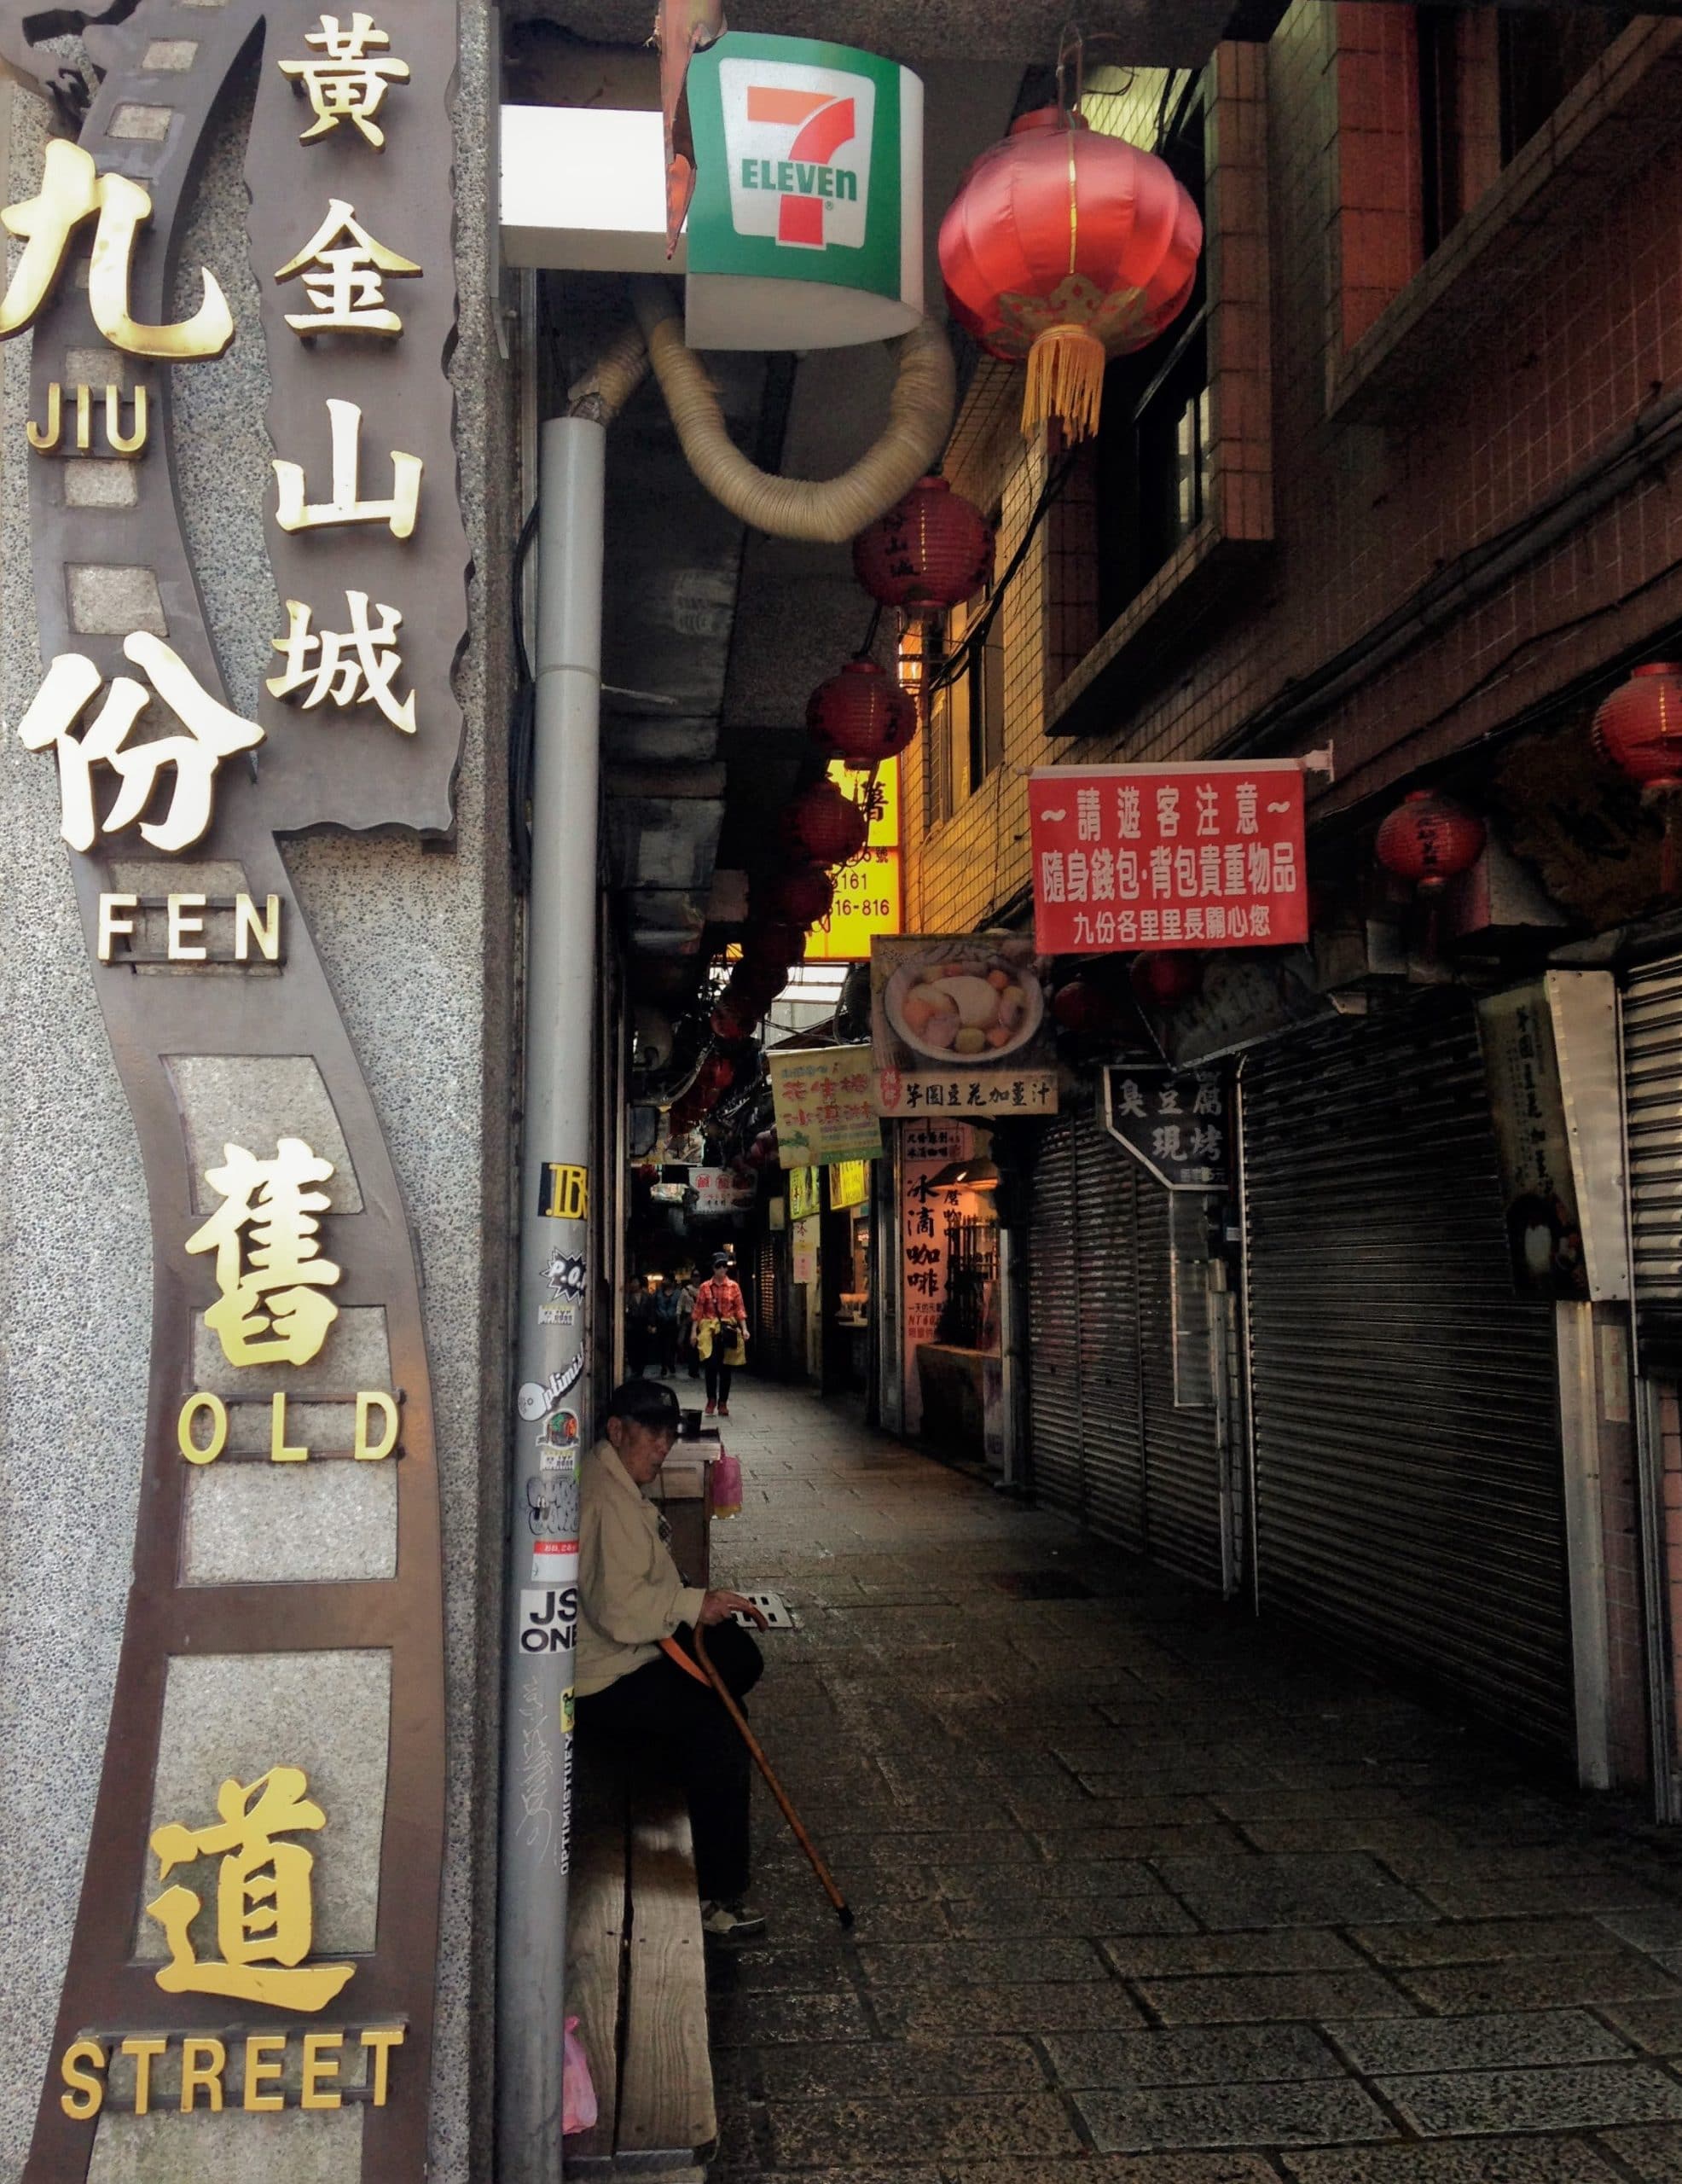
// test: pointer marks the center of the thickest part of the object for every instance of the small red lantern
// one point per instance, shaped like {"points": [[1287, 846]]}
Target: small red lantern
{"points": [[931, 551], [774, 942], [824, 825], [1164, 979], [1639, 729], [1068, 248], [714, 1077], [861, 715], [801, 896], [1430, 839], [732, 1019], [1084, 1006]]}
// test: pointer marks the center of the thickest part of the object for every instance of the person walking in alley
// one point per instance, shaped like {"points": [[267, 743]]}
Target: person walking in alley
{"points": [[667, 1303], [639, 1325], [686, 1326], [721, 1332], [631, 1695]]}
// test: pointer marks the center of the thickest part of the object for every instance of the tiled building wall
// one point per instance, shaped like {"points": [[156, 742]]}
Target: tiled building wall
{"points": [[1362, 513]]}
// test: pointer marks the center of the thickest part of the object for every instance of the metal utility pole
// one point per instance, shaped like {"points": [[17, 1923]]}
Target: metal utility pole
{"points": [[552, 1428]]}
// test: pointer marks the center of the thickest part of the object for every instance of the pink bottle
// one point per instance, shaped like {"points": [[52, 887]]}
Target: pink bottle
{"points": [[726, 1484]]}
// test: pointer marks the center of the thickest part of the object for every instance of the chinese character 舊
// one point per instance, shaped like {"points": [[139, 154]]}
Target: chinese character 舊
{"points": [[270, 1311]]}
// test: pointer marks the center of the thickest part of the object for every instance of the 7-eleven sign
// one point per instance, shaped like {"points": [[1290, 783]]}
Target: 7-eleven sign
{"points": [[806, 227], [798, 143]]}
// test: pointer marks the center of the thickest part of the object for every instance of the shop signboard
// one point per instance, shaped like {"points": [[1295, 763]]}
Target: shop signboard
{"points": [[1173, 1122], [720, 1190], [960, 1025], [805, 1194], [806, 227], [868, 890], [264, 1852], [1204, 856], [848, 1184], [926, 1146], [823, 1106]]}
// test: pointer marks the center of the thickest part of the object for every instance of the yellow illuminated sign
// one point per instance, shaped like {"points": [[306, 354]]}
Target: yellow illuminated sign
{"points": [[867, 892], [803, 1193], [848, 1183]]}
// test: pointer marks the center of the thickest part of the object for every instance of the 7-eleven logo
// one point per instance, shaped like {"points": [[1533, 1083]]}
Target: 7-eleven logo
{"points": [[797, 140]]}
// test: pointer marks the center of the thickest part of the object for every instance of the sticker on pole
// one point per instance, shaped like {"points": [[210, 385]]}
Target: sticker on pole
{"points": [[548, 1620], [554, 1559], [565, 1193]]}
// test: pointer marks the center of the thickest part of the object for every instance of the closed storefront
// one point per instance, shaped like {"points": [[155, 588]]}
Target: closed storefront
{"points": [[1408, 1496], [1107, 1443], [1652, 1034]]}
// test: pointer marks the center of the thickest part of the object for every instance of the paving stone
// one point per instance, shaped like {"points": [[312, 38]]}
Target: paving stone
{"points": [[1655, 2156], [1113, 1878], [1656, 2025], [1274, 1996], [811, 2133], [1484, 1941], [978, 1918], [1336, 1889], [1564, 1894], [1542, 1983], [1071, 2005], [1283, 1948], [1074, 1845], [1524, 2039], [1658, 1929], [1483, 2161], [907, 2069], [961, 1964], [1569, 2098], [1121, 2168], [1233, 2115], [1386, 1839], [803, 1969], [1236, 2055]]}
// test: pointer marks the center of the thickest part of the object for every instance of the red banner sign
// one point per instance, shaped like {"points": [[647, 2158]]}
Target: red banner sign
{"points": [[1168, 856]]}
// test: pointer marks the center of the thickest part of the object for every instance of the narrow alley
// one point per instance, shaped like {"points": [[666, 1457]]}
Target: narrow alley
{"points": [[1147, 1892]]}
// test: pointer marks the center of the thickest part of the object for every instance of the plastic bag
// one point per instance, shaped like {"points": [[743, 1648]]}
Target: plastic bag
{"points": [[578, 2088], [726, 1484]]}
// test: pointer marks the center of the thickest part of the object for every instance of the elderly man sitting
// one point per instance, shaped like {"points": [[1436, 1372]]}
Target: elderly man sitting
{"points": [[632, 1695]]}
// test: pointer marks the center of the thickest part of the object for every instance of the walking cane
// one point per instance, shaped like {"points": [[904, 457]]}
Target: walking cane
{"points": [[789, 1814]]}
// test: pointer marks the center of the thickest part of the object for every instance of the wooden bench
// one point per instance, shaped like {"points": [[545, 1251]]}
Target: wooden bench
{"points": [[636, 1963], [636, 1982]]}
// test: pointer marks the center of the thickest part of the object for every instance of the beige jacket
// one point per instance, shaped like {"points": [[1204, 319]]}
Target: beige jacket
{"points": [[630, 1593]]}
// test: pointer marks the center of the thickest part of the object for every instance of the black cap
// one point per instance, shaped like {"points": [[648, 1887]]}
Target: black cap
{"points": [[646, 1403], [721, 1259]]}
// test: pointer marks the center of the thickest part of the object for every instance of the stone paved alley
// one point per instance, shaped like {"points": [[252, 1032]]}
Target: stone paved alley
{"points": [[1145, 1895]]}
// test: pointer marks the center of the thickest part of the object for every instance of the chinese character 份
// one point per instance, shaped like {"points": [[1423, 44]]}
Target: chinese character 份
{"points": [[264, 1915], [74, 190], [270, 1311], [349, 82], [213, 733]]}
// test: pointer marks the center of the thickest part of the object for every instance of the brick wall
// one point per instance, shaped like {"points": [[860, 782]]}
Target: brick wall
{"points": [[1361, 513]]}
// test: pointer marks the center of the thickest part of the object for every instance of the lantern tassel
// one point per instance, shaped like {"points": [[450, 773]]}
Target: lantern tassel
{"points": [[1065, 380]]}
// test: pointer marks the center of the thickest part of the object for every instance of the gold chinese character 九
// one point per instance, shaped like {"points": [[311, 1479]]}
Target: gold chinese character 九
{"points": [[72, 191], [348, 83], [345, 272], [271, 1311], [264, 1915], [293, 513], [72, 683], [350, 667]]}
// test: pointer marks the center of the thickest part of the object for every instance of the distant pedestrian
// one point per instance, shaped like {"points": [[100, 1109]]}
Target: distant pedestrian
{"points": [[666, 1301], [686, 1326], [721, 1332], [638, 1327]]}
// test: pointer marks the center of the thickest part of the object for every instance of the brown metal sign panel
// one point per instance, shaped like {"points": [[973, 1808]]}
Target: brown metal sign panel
{"points": [[260, 1250]]}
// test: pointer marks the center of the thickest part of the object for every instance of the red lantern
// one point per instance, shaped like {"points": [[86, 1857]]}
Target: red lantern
{"points": [[929, 552], [732, 1019], [714, 1077], [801, 896], [762, 1152], [1163, 980], [1639, 729], [1067, 248], [773, 941], [1430, 839], [824, 825], [1084, 1006], [860, 715]]}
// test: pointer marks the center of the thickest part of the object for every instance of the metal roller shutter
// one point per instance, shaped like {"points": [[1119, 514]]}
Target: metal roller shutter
{"points": [[1409, 1475], [1652, 1027], [1054, 1360], [1106, 1233], [1183, 1484]]}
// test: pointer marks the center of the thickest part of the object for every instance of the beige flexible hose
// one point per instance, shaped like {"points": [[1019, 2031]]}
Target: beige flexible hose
{"points": [[604, 390], [831, 509]]}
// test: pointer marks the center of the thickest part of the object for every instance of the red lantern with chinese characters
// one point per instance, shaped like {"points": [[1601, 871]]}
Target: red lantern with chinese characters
{"points": [[1164, 980], [824, 825], [773, 941], [931, 551], [1067, 248], [1639, 729], [861, 715], [801, 896], [1430, 839]]}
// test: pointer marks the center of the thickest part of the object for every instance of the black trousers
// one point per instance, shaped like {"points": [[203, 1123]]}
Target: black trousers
{"points": [[718, 1383], [660, 1719]]}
